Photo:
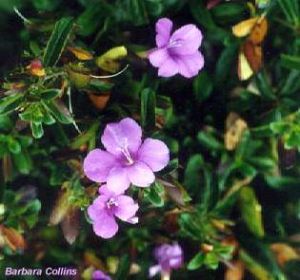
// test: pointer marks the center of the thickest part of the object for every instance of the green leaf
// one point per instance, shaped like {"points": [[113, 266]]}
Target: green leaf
{"points": [[148, 103], [291, 10], [10, 103], [292, 83], [123, 268], [202, 86], [229, 13], [225, 63], [209, 141], [138, 12], [290, 61], [154, 7], [33, 113], [264, 86], [196, 262], [255, 268], [192, 175], [93, 17], [259, 259], [32, 210], [251, 211], [282, 182], [60, 112], [14, 146], [155, 194], [6, 123], [46, 5], [171, 167], [37, 129], [201, 14], [57, 41], [50, 93], [23, 162], [100, 85], [192, 227]]}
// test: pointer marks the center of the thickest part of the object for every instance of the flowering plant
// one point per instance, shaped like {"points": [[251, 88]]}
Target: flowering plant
{"points": [[149, 139]]}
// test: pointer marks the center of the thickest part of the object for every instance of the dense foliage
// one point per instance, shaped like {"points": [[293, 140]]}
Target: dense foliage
{"points": [[230, 193]]}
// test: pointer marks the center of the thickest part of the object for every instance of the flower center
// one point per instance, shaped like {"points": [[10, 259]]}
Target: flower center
{"points": [[174, 44], [127, 155], [111, 203]]}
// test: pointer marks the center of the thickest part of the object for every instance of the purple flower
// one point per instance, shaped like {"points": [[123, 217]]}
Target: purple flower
{"points": [[127, 159], [100, 275], [169, 257], [106, 207], [177, 53]]}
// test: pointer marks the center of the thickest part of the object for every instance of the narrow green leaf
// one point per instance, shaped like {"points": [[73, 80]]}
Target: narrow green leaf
{"points": [[264, 86], [290, 61], [9, 103], [37, 129], [50, 94], [60, 112], [196, 262], [23, 162], [123, 268], [57, 41], [251, 211], [148, 104], [202, 86], [209, 141]]}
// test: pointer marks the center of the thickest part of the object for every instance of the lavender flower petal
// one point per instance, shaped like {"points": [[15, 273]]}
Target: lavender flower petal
{"points": [[118, 181], [122, 137], [163, 29], [154, 153], [97, 165], [158, 56], [186, 40], [190, 65], [140, 174], [100, 275], [127, 208], [168, 68], [105, 226]]}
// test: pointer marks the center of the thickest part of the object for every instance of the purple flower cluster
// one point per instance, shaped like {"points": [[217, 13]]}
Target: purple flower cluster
{"points": [[126, 160], [168, 257], [100, 275], [177, 53]]}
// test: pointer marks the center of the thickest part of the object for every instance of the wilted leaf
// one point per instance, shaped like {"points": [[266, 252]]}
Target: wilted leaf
{"points": [[236, 271], [99, 101], [80, 53], [284, 253], [90, 259], [7, 168], [109, 61], [70, 224], [244, 68], [259, 31], [250, 60], [244, 27], [35, 68], [235, 127], [12, 238], [61, 207]]}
